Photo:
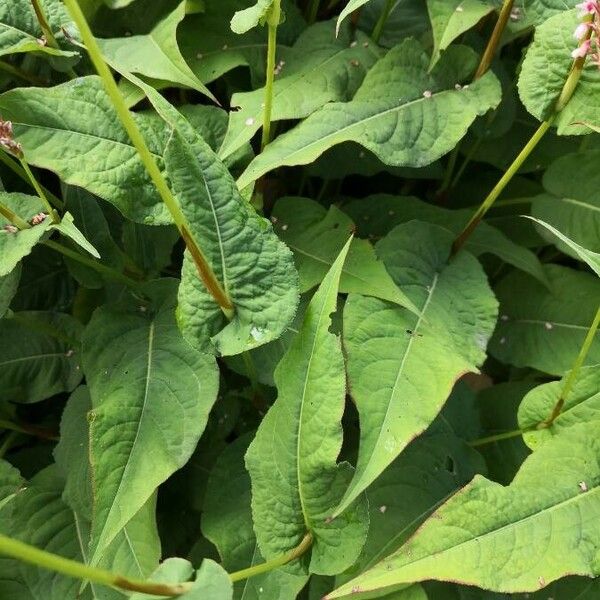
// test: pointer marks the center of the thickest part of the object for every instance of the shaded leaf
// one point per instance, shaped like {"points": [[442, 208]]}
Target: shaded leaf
{"points": [[296, 481], [402, 367], [8, 288]]}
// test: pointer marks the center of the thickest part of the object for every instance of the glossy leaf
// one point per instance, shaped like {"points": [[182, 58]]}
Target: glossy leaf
{"points": [[544, 327], [506, 539], [151, 394], [402, 367], [292, 461], [403, 114], [155, 55]]}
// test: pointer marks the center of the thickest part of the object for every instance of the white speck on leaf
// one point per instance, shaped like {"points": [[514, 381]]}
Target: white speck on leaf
{"points": [[583, 486], [427, 94], [382, 508], [249, 121], [548, 325]]}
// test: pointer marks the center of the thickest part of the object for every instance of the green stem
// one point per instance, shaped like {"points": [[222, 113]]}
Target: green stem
{"points": [[72, 568], [383, 17], [40, 192], [16, 72], [499, 187], [313, 10], [496, 438], [572, 377], [44, 25], [19, 172], [449, 171], [206, 274], [8, 442], [492, 45], [28, 430], [297, 552], [13, 217], [272, 24], [94, 264]]}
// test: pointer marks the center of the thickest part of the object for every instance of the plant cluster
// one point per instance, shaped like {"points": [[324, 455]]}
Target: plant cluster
{"points": [[299, 299]]}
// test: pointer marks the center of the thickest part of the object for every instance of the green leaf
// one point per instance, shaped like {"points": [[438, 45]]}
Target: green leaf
{"points": [[508, 539], [350, 7], [42, 358], [10, 482], [403, 114], [254, 266], [8, 288], [296, 481], [451, 18], [211, 581], [258, 13], [322, 69], [544, 327], [73, 130], [151, 394], [377, 215], [535, 12], [592, 259], [21, 32], [581, 406], [155, 54], [402, 367], [14, 246], [227, 522], [68, 228], [545, 69], [316, 237]]}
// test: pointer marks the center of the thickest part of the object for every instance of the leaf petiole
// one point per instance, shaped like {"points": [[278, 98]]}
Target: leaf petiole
{"points": [[383, 17], [272, 23], [492, 45], [40, 191]]}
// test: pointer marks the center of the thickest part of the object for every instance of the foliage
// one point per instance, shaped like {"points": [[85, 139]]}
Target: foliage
{"points": [[273, 324]]}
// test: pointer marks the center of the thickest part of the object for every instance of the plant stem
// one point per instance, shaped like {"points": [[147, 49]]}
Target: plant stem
{"points": [[94, 264], [28, 430], [206, 274], [496, 438], [13, 217], [272, 24], [12, 70], [40, 192], [8, 442], [72, 568], [572, 377], [313, 10], [499, 187], [383, 17], [17, 170], [448, 172], [492, 45], [297, 552]]}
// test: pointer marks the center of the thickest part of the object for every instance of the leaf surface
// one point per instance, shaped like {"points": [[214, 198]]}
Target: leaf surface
{"points": [[507, 539], [402, 367], [403, 114], [292, 461], [8, 288], [151, 395]]}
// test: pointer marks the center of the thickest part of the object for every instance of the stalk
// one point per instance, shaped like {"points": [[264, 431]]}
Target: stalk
{"points": [[492, 45], [13, 217], [572, 377], [383, 17], [563, 99], [40, 192], [272, 24], [496, 438], [206, 274], [72, 568], [313, 10], [297, 552]]}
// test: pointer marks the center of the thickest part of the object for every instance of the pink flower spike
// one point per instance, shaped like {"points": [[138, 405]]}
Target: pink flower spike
{"points": [[582, 51], [581, 30], [588, 8]]}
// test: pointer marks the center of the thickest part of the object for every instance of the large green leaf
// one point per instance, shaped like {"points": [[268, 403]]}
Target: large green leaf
{"points": [[227, 522], [21, 32], [42, 358], [8, 288], [572, 205], [581, 406], [402, 367], [377, 215], [296, 481], [322, 69], [451, 18], [254, 266], [545, 69], [350, 7], [544, 327], [155, 54], [508, 539], [316, 237], [15, 245], [73, 130], [403, 114], [151, 394], [248, 18]]}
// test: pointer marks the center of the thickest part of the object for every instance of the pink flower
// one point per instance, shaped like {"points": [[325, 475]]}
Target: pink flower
{"points": [[39, 218], [588, 8], [581, 30], [582, 51]]}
